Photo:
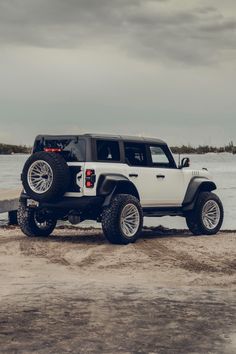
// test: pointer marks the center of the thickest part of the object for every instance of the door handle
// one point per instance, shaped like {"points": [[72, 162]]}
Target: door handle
{"points": [[160, 176], [133, 175]]}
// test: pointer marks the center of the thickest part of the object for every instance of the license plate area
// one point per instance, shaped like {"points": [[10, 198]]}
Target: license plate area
{"points": [[32, 203]]}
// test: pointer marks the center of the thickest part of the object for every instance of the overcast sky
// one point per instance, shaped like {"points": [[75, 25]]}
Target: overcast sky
{"points": [[164, 68]]}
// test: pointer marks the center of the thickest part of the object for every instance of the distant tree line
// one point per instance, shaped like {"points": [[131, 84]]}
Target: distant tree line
{"points": [[14, 149], [203, 149], [184, 149]]}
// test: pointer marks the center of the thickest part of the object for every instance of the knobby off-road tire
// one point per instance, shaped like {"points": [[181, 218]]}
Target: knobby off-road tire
{"points": [[30, 226], [207, 216], [45, 176], [122, 221]]}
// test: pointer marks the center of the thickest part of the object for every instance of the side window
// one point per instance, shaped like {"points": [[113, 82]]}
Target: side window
{"points": [[108, 150], [135, 154], [159, 157]]}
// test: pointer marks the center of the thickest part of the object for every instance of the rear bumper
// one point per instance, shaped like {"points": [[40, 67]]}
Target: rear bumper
{"points": [[69, 203]]}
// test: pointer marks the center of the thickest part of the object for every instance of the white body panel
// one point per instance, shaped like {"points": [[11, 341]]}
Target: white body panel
{"points": [[153, 191]]}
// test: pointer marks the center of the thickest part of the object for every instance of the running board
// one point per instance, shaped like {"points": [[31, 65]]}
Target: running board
{"points": [[163, 211]]}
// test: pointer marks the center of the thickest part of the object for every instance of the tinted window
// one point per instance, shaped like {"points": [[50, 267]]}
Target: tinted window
{"points": [[135, 154], [159, 157], [72, 149], [108, 150]]}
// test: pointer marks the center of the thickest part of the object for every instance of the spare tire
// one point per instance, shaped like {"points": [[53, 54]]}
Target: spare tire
{"points": [[45, 176]]}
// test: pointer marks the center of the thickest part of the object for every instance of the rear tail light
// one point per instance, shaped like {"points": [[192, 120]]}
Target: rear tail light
{"points": [[89, 173], [89, 184], [90, 178], [52, 150]]}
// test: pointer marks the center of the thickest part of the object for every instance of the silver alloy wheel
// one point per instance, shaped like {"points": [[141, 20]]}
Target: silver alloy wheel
{"points": [[211, 214], [40, 177], [129, 220]]}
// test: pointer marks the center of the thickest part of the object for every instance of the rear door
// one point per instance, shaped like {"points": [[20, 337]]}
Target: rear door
{"points": [[139, 172]]}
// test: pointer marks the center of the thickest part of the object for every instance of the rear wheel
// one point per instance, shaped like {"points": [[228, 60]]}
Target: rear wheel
{"points": [[122, 221], [207, 216], [33, 223]]}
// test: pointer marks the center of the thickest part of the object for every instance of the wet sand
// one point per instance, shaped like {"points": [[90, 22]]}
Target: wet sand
{"points": [[73, 292]]}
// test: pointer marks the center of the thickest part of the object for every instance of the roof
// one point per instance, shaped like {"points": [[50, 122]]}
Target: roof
{"points": [[126, 137], [107, 136]]}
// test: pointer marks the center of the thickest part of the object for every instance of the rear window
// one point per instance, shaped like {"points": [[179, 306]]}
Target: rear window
{"points": [[108, 150], [72, 149]]}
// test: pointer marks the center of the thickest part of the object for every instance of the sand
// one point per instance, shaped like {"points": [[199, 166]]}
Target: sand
{"points": [[73, 292]]}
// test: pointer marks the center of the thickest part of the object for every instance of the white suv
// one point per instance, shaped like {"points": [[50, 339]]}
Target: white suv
{"points": [[116, 180]]}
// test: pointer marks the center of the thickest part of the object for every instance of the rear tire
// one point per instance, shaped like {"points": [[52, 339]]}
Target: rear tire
{"points": [[207, 216], [31, 226], [122, 221]]}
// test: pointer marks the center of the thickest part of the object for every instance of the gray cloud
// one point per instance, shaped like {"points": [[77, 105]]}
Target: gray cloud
{"points": [[222, 26], [151, 29]]}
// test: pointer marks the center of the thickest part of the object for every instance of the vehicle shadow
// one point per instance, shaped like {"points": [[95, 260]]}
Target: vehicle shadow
{"points": [[80, 239], [161, 232], [95, 236]]}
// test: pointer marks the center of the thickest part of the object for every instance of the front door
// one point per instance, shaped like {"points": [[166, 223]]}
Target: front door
{"points": [[168, 188], [153, 171]]}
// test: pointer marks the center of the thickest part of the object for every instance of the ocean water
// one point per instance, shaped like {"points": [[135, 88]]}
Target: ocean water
{"points": [[221, 166]]}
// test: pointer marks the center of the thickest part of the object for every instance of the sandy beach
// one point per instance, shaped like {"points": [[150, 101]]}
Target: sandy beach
{"points": [[73, 292]]}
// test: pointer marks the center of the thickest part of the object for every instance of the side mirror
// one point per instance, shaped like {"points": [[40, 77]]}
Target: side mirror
{"points": [[185, 162]]}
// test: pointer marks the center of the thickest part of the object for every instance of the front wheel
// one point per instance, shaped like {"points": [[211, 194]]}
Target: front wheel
{"points": [[122, 221], [207, 216], [32, 223]]}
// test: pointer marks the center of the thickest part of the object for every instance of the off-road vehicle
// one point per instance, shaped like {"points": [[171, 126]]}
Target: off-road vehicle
{"points": [[116, 180]]}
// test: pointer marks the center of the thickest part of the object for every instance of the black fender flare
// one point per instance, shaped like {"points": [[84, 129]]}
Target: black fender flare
{"points": [[110, 184], [196, 185]]}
